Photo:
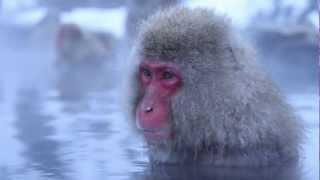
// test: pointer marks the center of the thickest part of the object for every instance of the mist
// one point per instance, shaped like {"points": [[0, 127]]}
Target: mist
{"points": [[63, 115]]}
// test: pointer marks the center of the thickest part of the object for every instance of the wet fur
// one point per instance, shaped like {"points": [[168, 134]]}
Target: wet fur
{"points": [[228, 113]]}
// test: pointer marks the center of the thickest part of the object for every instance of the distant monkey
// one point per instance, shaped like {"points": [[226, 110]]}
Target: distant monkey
{"points": [[83, 60], [77, 46]]}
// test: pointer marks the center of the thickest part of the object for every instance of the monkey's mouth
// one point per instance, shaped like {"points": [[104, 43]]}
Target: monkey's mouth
{"points": [[156, 134], [160, 133]]}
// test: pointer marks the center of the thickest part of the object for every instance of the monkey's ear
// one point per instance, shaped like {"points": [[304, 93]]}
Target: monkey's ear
{"points": [[68, 34]]}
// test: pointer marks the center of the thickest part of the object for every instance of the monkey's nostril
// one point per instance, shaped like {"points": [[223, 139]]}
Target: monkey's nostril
{"points": [[149, 109]]}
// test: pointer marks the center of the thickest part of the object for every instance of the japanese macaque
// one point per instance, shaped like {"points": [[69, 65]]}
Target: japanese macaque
{"points": [[201, 97], [83, 59], [79, 47]]}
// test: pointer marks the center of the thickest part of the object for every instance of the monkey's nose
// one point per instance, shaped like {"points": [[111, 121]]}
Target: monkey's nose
{"points": [[148, 109]]}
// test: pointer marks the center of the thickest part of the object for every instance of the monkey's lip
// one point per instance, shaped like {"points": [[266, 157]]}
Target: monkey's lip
{"points": [[156, 134]]}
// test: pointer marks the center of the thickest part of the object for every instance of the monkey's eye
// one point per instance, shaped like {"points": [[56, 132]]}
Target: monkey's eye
{"points": [[167, 75], [146, 72]]}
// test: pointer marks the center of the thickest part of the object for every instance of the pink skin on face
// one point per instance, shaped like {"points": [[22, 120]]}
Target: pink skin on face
{"points": [[159, 82]]}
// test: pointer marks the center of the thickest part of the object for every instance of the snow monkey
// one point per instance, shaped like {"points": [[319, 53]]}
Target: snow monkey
{"points": [[84, 60], [201, 97]]}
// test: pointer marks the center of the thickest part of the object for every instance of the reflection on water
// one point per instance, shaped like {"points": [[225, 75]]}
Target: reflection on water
{"points": [[34, 132], [206, 173]]}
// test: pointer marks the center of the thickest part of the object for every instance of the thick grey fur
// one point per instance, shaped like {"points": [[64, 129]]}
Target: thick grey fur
{"points": [[139, 10], [228, 112]]}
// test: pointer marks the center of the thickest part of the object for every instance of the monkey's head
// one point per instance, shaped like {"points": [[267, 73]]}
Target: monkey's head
{"points": [[181, 54], [198, 88], [76, 46]]}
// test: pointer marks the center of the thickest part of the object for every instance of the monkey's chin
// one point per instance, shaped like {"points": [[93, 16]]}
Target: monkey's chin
{"points": [[157, 135]]}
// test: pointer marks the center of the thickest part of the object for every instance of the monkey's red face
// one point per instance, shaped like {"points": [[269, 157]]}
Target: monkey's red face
{"points": [[159, 82]]}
